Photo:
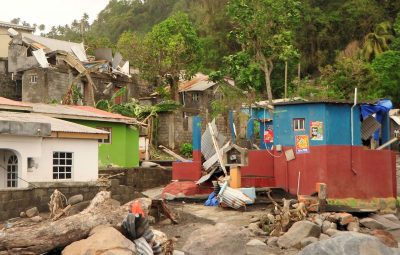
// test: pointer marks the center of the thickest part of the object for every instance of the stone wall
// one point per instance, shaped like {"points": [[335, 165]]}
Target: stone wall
{"points": [[9, 88], [140, 178]]}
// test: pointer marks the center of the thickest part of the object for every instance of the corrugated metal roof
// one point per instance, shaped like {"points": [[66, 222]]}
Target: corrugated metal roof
{"points": [[15, 26], [6, 103], [199, 82], [53, 44], [322, 101], [56, 124]]}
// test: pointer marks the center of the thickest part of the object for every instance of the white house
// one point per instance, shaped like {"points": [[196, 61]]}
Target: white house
{"points": [[39, 149]]}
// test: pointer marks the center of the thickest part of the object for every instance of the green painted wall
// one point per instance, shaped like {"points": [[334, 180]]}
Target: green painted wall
{"points": [[124, 148]]}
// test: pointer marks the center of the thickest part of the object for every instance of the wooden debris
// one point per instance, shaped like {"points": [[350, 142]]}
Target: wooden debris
{"points": [[173, 154], [63, 211], [56, 202]]}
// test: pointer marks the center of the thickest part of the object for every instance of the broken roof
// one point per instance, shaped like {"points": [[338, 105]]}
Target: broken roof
{"points": [[15, 26], [50, 44], [199, 82], [56, 124], [68, 111]]}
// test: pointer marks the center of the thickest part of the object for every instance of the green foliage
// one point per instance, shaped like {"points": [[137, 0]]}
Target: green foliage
{"points": [[186, 150], [387, 67], [377, 42], [232, 99]]}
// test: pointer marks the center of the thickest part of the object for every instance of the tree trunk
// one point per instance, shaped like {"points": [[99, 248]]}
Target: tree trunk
{"points": [[267, 73], [48, 235], [175, 88]]}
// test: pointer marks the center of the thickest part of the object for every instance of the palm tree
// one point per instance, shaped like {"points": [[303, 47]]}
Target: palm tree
{"points": [[378, 41]]}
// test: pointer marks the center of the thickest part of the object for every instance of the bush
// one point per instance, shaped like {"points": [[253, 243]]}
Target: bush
{"points": [[186, 150]]}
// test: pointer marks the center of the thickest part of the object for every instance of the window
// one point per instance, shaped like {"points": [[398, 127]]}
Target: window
{"points": [[12, 172], [33, 78], [299, 125], [195, 97], [62, 165], [109, 136]]}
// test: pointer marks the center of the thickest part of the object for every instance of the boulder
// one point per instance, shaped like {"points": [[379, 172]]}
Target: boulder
{"points": [[22, 214], [32, 212], [349, 243], [75, 199], [353, 226], [36, 218], [371, 223], [308, 240], [385, 237], [387, 224], [323, 237], [391, 217], [299, 231], [332, 232], [254, 219], [325, 226], [103, 240], [272, 241], [77, 208], [345, 218], [159, 237], [221, 238]]}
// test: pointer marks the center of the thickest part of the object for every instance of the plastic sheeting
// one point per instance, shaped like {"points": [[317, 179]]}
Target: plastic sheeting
{"points": [[380, 109]]}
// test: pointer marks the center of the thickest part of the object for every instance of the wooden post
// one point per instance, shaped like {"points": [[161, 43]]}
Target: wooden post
{"points": [[322, 195], [286, 77]]}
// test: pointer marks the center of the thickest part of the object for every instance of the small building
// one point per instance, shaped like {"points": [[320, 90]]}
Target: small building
{"points": [[395, 127], [5, 38], [39, 149], [121, 146], [326, 138], [196, 96]]}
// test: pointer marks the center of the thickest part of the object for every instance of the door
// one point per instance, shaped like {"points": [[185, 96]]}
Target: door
{"points": [[12, 171]]}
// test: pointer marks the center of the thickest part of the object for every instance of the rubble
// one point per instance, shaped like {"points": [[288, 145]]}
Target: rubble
{"points": [[371, 223], [299, 231], [75, 199], [32, 212], [385, 237]]}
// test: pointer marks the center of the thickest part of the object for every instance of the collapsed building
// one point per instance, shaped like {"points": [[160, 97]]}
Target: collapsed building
{"points": [[50, 70]]}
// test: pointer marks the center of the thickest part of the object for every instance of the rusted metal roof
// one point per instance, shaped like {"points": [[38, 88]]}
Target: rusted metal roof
{"points": [[57, 125], [7, 104], [41, 42], [199, 82]]}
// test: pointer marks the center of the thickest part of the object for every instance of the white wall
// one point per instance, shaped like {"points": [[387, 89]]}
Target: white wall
{"points": [[85, 159], [23, 147]]}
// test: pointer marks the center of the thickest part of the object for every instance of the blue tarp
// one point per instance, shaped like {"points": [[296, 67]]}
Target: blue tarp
{"points": [[212, 200], [380, 109]]}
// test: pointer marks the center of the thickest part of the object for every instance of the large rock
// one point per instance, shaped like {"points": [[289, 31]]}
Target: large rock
{"points": [[32, 212], [221, 238], [325, 226], [349, 243], [345, 218], [103, 240], [308, 240], [353, 226], [371, 223], [392, 218], [385, 237], [77, 208], [299, 231], [75, 199], [387, 224]]}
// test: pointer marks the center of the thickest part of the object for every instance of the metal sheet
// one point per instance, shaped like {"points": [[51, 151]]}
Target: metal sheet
{"points": [[79, 52], [368, 127], [103, 54], [207, 146], [205, 178], [125, 68], [41, 58], [211, 161], [116, 60], [232, 197]]}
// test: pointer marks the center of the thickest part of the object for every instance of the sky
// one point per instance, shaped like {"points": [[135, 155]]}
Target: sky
{"points": [[50, 12]]}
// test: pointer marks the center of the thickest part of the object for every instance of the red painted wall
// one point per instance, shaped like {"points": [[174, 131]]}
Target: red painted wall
{"points": [[356, 172]]}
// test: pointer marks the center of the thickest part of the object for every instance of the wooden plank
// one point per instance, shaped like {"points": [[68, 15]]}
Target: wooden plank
{"points": [[173, 154], [217, 149]]}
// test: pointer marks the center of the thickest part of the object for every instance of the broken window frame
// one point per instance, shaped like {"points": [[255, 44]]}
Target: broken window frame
{"points": [[107, 140], [195, 97], [299, 124], [62, 165]]}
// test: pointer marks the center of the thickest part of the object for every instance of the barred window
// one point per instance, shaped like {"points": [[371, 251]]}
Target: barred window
{"points": [[299, 125], [62, 165]]}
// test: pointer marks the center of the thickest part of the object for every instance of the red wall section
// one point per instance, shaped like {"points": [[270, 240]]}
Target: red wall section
{"points": [[260, 164], [372, 173]]}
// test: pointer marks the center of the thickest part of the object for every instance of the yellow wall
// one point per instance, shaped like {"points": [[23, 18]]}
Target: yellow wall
{"points": [[4, 40]]}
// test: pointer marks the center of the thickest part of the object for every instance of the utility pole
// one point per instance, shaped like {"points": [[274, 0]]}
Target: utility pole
{"points": [[286, 75]]}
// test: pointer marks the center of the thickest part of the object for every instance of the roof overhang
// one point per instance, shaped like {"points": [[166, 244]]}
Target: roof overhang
{"points": [[72, 135]]}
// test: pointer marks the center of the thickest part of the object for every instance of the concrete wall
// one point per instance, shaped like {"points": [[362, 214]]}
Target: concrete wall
{"points": [[4, 40], [9, 88]]}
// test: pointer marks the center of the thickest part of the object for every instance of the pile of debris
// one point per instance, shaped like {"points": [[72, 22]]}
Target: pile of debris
{"points": [[103, 227], [292, 225]]}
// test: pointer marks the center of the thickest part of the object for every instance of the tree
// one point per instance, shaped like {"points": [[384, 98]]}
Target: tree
{"points": [[387, 67], [265, 29], [378, 41], [131, 46], [172, 46], [16, 21]]}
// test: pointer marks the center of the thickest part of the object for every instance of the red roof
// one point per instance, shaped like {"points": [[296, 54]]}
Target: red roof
{"points": [[100, 112], [17, 104]]}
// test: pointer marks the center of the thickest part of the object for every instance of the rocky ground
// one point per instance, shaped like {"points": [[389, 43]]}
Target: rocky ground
{"points": [[216, 230]]}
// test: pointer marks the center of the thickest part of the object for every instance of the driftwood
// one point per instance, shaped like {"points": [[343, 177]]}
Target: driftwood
{"points": [[48, 235]]}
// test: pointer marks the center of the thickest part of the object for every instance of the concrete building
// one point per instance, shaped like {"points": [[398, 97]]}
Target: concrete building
{"points": [[5, 38], [121, 146], [39, 149]]}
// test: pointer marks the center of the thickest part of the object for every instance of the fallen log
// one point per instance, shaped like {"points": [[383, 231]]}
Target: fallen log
{"points": [[49, 235]]}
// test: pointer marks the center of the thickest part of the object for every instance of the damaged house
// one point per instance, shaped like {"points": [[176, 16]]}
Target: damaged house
{"points": [[50, 70]]}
